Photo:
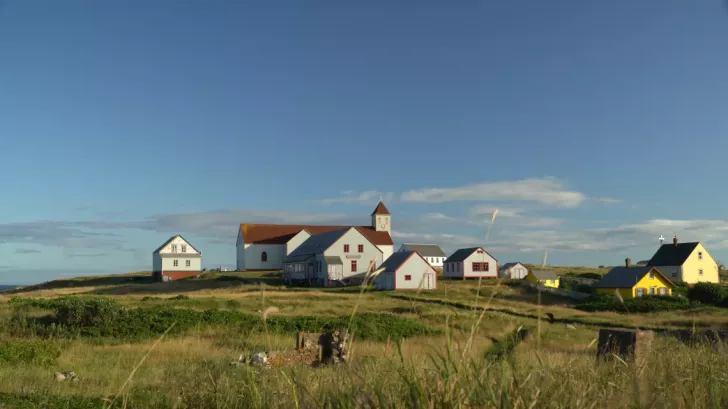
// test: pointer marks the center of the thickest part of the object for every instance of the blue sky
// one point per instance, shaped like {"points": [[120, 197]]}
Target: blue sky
{"points": [[593, 126]]}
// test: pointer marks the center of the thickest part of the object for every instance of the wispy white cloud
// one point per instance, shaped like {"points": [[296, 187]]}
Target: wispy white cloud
{"points": [[26, 251], [640, 238], [367, 197], [548, 191]]}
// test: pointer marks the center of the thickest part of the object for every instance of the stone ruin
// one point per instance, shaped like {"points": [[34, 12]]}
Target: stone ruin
{"points": [[628, 345], [312, 349]]}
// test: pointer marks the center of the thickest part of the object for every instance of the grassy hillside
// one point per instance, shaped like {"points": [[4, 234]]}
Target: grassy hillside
{"points": [[138, 344]]}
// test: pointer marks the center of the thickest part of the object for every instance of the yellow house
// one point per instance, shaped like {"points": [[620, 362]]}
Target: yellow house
{"points": [[545, 278], [631, 282], [689, 263]]}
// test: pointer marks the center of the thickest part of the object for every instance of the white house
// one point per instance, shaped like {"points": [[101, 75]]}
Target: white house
{"points": [[473, 262], [336, 257], [406, 270], [265, 246], [432, 253], [514, 271], [176, 258]]}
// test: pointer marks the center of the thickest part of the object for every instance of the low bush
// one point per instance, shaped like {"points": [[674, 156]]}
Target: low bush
{"points": [[593, 276], [708, 293], [28, 352], [650, 303], [96, 317]]}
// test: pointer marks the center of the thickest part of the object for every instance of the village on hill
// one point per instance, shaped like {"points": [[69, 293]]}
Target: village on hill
{"points": [[338, 256]]}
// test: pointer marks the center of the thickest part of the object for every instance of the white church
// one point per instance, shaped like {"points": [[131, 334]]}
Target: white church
{"points": [[264, 246]]}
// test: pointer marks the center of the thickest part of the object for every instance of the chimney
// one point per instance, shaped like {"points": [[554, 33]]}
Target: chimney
{"points": [[627, 262], [674, 240]]}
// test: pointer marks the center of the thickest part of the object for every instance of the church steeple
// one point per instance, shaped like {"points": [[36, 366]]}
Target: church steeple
{"points": [[381, 218]]}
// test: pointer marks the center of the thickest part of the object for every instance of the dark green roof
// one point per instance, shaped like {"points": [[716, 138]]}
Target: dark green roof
{"points": [[396, 260], [461, 254], [627, 277], [672, 255]]}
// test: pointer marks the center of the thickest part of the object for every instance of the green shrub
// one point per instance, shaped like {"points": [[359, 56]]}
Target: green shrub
{"points": [[179, 297], [650, 303], [28, 352], [593, 276], [583, 288], [707, 293], [99, 317]]}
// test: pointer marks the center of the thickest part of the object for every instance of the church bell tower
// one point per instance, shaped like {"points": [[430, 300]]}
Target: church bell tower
{"points": [[382, 219]]}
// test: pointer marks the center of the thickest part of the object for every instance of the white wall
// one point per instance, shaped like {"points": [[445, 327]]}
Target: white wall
{"points": [[353, 238], [179, 242], [480, 258], [296, 241], [516, 272], [386, 251], [418, 269], [252, 252], [435, 261], [168, 263]]}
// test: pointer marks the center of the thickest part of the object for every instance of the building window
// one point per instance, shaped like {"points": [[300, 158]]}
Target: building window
{"points": [[353, 266], [476, 266], [663, 291], [652, 275], [175, 263], [674, 272], [700, 272], [346, 248], [652, 290], [184, 248], [700, 255], [173, 248], [408, 278], [264, 257], [360, 248], [187, 263], [640, 292], [486, 267]]}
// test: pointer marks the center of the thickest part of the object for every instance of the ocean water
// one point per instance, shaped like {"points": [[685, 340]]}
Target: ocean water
{"points": [[6, 287]]}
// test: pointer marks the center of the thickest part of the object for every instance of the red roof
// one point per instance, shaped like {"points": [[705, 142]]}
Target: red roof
{"points": [[281, 233], [381, 209]]}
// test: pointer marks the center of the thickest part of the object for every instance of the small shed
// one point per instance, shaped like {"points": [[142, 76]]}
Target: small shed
{"points": [[513, 271], [406, 270], [547, 278]]}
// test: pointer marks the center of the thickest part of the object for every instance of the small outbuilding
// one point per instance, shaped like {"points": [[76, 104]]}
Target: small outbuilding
{"points": [[406, 270], [176, 258], [513, 271], [472, 262], [547, 278]]}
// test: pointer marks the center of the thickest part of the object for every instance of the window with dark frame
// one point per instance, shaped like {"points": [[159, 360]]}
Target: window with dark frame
{"points": [[175, 263], [353, 266], [184, 248], [187, 263], [485, 267], [346, 248], [264, 257], [407, 277], [360, 248], [700, 255], [476, 266]]}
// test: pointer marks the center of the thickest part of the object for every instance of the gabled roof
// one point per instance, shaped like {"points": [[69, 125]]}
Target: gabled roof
{"points": [[172, 239], [318, 243], [381, 209], [506, 266], [254, 233], [545, 275], [425, 250], [672, 255], [396, 260], [461, 254], [627, 277]]}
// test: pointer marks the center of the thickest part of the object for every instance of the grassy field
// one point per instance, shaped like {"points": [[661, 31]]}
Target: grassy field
{"points": [[410, 350]]}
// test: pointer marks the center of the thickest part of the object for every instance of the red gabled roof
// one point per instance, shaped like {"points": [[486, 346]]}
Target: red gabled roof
{"points": [[381, 209], [281, 233]]}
